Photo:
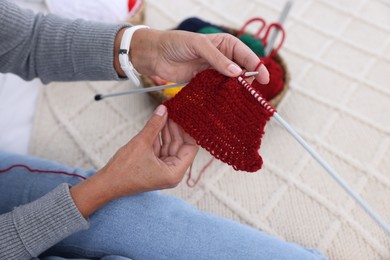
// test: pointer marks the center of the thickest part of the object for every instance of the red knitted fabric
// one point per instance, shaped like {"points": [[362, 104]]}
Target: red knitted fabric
{"points": [[223, 117]]}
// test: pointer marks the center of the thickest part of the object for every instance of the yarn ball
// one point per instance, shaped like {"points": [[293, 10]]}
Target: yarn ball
{"points": [[276, 80], [223, 117], [254, 44], [193, 24], [210, 30], [172, 91]]}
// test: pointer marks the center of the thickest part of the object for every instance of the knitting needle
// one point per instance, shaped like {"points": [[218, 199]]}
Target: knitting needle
{"points": [[139, 91], [268, 48], [250, 73], [375, 216], [155, 88]]}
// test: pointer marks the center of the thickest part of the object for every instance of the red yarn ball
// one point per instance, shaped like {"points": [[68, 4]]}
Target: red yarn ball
{"points": [[276, 80]]}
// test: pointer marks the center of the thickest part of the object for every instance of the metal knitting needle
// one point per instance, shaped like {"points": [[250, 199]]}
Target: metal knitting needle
{"points": [[139, 91], [274, 33], [155, 88], [374, 215], [250, 73]]}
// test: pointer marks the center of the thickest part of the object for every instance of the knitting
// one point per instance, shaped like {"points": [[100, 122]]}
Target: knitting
{"points": [[279, 77], [223, 117]]}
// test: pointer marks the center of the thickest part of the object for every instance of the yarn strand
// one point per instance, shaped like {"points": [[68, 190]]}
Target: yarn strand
{"points": [[199, 175], [40, 171]]}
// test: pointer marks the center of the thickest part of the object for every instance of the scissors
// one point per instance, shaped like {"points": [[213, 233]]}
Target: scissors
{"points": [[267, 29]]}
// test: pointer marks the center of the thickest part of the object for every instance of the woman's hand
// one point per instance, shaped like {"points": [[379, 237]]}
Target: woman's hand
{"points": [[179, 55], [146, 163]]}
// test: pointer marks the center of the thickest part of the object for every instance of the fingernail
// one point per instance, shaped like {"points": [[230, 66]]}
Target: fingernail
{"points": [[234, 69], [160, 110]]}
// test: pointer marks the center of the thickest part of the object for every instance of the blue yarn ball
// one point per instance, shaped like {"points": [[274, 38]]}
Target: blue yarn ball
{"points": [[193, 24]]}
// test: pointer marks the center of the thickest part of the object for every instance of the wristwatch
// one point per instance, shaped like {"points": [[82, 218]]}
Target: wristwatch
{"points": [[124, 50]]}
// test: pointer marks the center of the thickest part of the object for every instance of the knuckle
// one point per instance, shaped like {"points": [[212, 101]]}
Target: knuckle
{"points": [[246, 60], [228, 37], [201, 39]]}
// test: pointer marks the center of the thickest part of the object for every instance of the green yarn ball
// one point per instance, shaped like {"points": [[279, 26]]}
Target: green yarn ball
{"points": [[254, 44], [209, 30]]}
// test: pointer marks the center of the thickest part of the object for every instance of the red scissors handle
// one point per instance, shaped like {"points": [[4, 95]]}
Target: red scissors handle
{"points": [[279, 27], [256, 19]]}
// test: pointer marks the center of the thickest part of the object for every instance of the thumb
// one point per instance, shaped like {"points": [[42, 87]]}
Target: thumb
{"points": [[155, 124]]}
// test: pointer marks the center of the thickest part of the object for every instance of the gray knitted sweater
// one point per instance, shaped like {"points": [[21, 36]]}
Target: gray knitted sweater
{"points": [[53, 49]]}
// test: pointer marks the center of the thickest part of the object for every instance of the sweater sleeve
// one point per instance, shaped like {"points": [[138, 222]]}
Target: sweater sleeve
{"points": [[30, 229], [53, 48]]}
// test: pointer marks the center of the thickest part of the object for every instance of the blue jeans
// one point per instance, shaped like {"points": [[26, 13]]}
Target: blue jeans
{"points": [[145, 226]]}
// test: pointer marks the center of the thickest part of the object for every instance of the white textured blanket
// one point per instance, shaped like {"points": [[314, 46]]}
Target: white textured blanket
{"points": [[338, 53]]}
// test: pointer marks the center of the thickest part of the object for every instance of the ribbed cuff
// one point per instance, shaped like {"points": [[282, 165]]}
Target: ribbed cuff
{"points": [[48, 220], [11, 247], [93, 50], [55, 48], [70, 50]]}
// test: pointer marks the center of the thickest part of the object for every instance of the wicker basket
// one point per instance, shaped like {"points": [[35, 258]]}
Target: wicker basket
{"points": [[139, 17], [160, 96]]}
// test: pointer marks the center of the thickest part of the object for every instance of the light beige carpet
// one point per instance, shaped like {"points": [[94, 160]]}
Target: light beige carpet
{"points": [[339, 57]]}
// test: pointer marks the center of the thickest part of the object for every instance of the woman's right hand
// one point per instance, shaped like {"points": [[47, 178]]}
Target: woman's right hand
{"points": [[179, 55], [147, 162]]}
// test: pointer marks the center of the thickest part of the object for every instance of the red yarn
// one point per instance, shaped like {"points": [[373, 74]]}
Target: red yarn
{"points": [[40, 171], [223, 117], [276, 80], [200, 174], [275, 86]]}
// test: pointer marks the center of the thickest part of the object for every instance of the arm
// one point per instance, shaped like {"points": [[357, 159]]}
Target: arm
{"points": [[30, 229], [55, 49], [143, 164]]}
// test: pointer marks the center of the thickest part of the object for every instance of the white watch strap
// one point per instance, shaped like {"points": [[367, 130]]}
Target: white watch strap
{"points": [[124, 51]]}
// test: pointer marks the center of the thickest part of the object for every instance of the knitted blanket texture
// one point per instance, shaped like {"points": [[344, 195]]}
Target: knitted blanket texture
{"points": [[338, 101]]}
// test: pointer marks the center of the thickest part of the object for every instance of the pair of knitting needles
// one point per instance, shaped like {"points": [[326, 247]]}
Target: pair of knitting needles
{"points": [[268, 48], [375, 216], [156, 88]]}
